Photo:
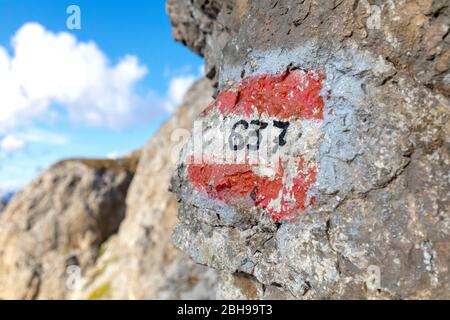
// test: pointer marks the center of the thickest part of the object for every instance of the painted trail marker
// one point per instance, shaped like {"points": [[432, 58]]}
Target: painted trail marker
{"points": [[257, 141]]}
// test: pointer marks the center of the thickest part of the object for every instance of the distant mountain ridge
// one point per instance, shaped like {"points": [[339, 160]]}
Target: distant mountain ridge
{"points": [[5, 198]]}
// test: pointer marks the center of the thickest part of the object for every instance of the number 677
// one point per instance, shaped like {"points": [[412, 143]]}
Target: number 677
{"points": [[237, 142]]}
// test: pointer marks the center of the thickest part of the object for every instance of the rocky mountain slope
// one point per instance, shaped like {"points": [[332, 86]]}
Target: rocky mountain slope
{"points": [[357, 203], [5, 198], [60, 237], [140, 262], [2, 205], [54, 228]]}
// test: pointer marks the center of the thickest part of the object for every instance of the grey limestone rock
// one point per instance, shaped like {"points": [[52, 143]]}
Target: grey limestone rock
{"points": [[379, 227]]}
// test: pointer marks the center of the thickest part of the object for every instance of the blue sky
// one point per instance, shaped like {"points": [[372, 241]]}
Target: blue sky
{"points": [[102, 91]]}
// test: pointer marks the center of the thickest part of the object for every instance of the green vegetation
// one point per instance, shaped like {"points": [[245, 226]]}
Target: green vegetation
{"points": [[100, 292], [101, 250]]}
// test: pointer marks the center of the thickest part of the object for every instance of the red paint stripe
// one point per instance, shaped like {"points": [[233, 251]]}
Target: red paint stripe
{"points": [[294, 94], [237, 184], [290, 95]]}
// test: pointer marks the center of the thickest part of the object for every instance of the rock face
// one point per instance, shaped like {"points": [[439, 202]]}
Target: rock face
{"points": [[2, 205], [53, 229], [206, 26], [60, 238], [354, 99], [5, 198], [141, 262]]}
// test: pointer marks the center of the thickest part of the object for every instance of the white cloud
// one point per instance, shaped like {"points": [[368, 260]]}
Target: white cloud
{"points": [[48, 68], [178, 87], [46, 72], [7, 187], [11, 143], [201, 70], [14, 142], [42, 136], [112, 155]]}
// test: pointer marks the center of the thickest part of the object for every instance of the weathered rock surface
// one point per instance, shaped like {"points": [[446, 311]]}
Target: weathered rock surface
{"points": [[141, 262], [206, 26], [5, 198], [377, 221], [53, 228]]}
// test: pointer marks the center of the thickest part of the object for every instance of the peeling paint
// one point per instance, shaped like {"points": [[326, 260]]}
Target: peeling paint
{"points": [[283, 189]]}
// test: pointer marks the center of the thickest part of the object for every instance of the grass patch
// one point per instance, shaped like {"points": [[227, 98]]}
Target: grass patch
{"points": [[100, 292], [101, 251]]}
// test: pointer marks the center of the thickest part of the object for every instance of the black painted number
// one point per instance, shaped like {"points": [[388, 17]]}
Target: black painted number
{"points": [[261, 126], [237, 142], [283, 125]]}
